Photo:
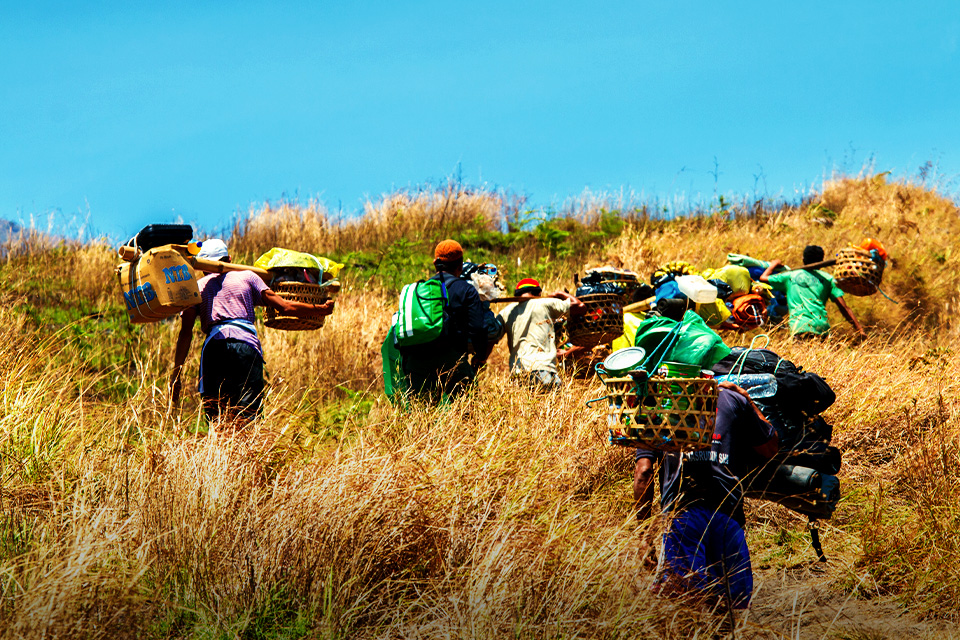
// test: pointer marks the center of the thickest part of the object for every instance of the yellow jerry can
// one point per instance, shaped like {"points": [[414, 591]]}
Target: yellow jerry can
{"points": [[157, 285]]}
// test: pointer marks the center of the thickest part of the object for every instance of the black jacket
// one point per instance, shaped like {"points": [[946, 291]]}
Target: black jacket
{"points": [[465, 325]]}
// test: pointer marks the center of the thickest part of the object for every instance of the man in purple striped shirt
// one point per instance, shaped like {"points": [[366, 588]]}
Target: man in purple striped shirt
{"points": [[231, 362]]}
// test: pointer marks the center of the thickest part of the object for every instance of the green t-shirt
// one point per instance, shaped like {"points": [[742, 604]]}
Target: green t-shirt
{"points": [[807, 296]]}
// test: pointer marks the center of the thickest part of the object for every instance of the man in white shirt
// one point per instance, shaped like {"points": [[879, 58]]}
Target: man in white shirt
{"points": [[530, 334]]}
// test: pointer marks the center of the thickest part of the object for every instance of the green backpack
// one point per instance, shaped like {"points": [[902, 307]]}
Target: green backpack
{"points": [[423, 307]]}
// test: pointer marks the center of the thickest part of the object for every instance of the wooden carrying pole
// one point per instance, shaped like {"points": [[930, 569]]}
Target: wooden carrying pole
{"points": [[200, 264], [518, 298], [639, 306], [816, 265]]}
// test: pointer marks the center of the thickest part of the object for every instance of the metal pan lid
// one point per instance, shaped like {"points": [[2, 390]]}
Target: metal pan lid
{"points": [[624, 359]]}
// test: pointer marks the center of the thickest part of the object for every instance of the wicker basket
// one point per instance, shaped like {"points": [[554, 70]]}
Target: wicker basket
{"points": [[673, 414], [857, 273], [296, 292], [601, 323]]}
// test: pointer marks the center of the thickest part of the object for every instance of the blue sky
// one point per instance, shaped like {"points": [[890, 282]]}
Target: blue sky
{"points": [[118, 114]]}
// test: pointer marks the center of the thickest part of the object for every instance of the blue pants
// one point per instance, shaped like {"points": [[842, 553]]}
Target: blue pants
{"points": [[705, 553]]}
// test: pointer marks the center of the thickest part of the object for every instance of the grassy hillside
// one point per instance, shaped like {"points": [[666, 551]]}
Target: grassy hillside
{"points": [[504, 514]]}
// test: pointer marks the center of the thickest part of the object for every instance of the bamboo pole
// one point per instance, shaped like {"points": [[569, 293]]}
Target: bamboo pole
{"points": [[200, 264]]}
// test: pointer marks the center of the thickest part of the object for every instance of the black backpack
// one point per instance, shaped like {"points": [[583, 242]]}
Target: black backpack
{"points": [[801, 395], [801, 477]]}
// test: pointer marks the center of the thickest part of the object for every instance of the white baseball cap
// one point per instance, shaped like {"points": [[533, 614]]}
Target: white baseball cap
{"points": [[213, 249]]}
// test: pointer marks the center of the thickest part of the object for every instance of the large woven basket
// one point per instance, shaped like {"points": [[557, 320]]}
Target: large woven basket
{"points": [[296, 292], [601, 323], [857, 273], [671, 414]]}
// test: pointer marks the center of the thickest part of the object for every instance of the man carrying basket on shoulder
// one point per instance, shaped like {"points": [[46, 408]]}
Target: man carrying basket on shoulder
{"points": [[231, 361], [530, 333], [807, 294], [704, 551]]}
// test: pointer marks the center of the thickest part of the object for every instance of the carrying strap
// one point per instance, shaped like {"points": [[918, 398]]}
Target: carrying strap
{"points": [[659, 353], [815, 539], [742, 358]]}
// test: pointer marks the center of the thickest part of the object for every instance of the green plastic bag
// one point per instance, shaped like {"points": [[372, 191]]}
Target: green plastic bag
{"points": [[394, 382], [423, 309], [278, 258], [696, 343]]}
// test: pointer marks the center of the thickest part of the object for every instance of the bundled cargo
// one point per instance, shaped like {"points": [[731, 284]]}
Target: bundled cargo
{"points": [[859, 271], [802, 475], [298, 277], [621, 282], [656, 404], [665, 413], [159, 235], [601, 323], [158, 278]]}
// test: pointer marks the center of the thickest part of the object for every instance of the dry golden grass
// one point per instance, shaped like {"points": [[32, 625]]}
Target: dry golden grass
{"points": [[414, 216], [504, 514]]}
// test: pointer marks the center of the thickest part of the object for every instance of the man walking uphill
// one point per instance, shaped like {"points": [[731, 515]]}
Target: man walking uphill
{"points": [[231, 361], [439, 369], [704, 550], [807, 292], [530, 333]]}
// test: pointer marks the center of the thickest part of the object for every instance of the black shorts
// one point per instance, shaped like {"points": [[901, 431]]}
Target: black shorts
{"points": [[232, 377]]}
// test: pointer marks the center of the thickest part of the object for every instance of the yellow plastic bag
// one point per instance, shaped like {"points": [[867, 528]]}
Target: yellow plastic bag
{"points": [[630, 323], [278, 258], [737, 277], [713, 313]]}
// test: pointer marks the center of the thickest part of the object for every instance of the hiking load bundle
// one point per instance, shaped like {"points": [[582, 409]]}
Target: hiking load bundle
{"points": [[422, 314], [419, 320], [158, 284], [661, 412], [749, 311], [621, 282], [485, 278], [159, 272], [802, 475], [859, 271], [602, 321], [298, 277]]}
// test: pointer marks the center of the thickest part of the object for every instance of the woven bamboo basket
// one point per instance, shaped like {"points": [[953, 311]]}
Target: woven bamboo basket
{"points": [[857, 273], [601, 323], [672, 414], [296, 292]]}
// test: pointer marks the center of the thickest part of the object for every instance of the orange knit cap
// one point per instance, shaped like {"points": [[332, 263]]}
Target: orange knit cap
{"points": [[449, 252]]}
